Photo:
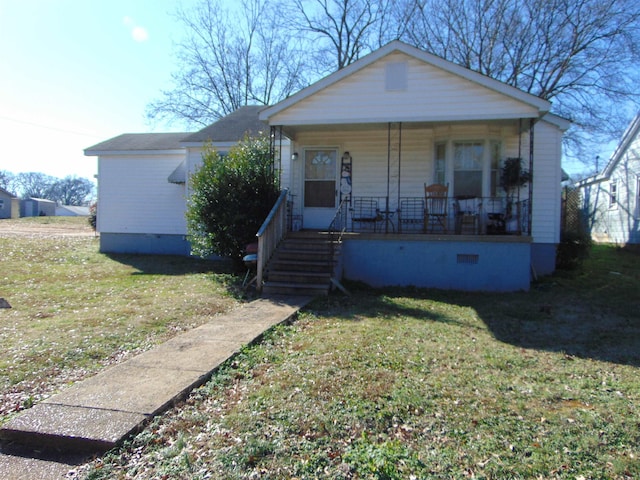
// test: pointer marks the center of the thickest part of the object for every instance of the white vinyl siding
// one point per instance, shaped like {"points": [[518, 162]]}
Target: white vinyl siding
{"points": [[136, 197], [431, 95], [547, 180]]}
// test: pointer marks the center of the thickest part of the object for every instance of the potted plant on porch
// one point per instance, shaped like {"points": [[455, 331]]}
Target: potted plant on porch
{"points": [[512, 178]]}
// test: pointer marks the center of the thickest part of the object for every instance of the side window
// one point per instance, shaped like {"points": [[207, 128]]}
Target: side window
{"points": [[1, 203], [613, 194]]}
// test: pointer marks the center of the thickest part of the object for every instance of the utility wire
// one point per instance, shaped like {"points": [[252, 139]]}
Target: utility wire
{"points": [[48, 127]]}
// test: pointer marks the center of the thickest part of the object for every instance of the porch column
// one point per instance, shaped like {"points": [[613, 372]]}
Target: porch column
{"points": [[531, 181]]}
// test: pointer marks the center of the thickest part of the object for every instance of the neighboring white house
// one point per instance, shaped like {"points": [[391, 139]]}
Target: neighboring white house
{"points": [[612, 197], [9, 204], [142, 183]]}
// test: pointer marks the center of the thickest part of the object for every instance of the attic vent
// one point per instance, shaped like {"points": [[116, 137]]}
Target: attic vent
{"points": [[396, 78], [468, 258]]}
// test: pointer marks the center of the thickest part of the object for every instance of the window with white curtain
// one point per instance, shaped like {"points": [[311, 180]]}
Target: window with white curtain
{"points": [[468, 160]]}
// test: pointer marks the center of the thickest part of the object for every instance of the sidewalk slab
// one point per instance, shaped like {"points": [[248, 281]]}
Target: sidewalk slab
{"points": [[71, 428], [129, 388], [19, 463], [98, 413]]}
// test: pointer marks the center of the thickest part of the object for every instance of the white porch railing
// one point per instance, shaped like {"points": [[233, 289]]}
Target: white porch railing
{"points": [[271, 233]]}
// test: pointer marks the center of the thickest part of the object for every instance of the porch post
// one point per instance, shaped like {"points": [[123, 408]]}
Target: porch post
{"points": [[531, 181], [276, 167], [280, 161], [394, 148], [272, 148]]}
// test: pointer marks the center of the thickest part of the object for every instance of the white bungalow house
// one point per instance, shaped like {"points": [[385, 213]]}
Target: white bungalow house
{"points": [[376, 132], [372, 136], [612, 197]]}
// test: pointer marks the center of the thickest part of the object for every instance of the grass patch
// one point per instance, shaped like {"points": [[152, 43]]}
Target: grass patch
{"points": [[404, 383], [75, 310]]}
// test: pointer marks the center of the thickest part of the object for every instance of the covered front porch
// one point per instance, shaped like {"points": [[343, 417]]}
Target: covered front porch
{"points": [[368, 186]]}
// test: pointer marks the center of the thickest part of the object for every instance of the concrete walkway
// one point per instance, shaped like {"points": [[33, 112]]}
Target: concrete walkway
{"points": [[96, 414]]}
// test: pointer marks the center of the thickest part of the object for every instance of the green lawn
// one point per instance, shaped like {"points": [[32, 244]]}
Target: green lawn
{"points": [[422, 384], [74, 310]]}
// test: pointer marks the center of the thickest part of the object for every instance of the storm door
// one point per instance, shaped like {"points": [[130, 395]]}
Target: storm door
{"points": [[320, 192]]}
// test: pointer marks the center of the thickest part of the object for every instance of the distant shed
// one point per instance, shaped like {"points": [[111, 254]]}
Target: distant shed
{"points": [[37, 207]]}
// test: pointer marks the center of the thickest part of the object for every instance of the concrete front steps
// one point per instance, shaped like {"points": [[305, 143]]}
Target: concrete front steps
{"points": [[302, 265]]}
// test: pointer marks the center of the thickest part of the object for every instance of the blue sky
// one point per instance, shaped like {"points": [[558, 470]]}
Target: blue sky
{"points": [[76, 72]]}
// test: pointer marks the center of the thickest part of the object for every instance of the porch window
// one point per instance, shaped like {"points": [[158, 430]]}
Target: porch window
{"points": [[467, 168], [440, 163]]}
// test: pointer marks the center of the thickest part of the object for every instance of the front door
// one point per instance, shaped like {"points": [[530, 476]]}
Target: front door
{"points": [[320, 192]]}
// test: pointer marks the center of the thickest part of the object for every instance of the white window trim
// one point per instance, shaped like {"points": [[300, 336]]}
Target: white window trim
{"points": [[449, 143]]}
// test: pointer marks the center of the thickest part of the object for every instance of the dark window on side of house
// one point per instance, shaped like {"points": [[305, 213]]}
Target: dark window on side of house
{"points": [[613, 193]]}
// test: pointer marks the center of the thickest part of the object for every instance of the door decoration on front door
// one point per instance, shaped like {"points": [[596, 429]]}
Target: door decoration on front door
{"points": [[345, 178]]}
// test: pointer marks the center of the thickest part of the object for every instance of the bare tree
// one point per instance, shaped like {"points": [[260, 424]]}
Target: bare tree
{"points": [[7, 181], [580, 54], [71, 191], [34, 184], [339, 32], [230, 58]]}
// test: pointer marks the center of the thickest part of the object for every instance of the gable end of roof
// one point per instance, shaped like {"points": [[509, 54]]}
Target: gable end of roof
{"points": [[542, 105]]}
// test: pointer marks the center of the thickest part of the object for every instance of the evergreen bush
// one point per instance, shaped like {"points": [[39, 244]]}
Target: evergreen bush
{"points": [[230, 198]]}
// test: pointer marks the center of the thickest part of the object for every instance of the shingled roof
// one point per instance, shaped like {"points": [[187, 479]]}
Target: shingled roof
{"points": [[139, 141], [231, 128]]}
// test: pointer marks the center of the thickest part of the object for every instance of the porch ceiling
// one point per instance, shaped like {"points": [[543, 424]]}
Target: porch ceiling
{"points": [[291, 131]]}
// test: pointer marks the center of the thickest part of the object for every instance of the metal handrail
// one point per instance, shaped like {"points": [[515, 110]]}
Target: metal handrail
{"points": [[270, 234], [338, 224], [337, 227]]}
